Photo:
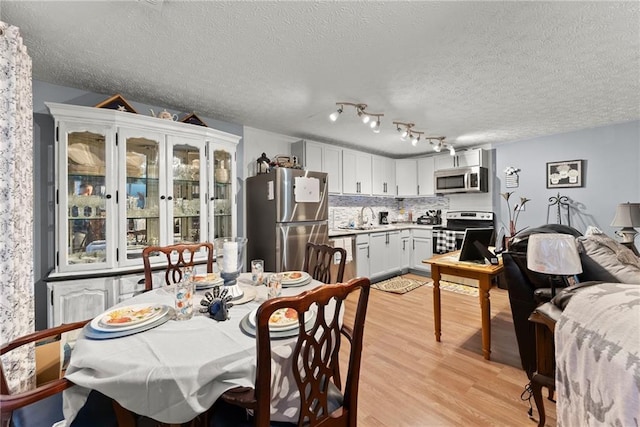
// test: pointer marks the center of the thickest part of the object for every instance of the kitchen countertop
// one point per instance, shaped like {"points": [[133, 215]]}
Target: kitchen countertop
{"points": [[378, 228]]}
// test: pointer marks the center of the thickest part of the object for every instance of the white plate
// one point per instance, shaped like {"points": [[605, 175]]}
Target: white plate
{"points": [[100, 323], [284, 327], [208, 285], [298, 276], [297, 284]]}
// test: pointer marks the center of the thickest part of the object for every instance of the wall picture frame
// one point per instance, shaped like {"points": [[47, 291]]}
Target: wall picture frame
{"points": [[565, 174]]}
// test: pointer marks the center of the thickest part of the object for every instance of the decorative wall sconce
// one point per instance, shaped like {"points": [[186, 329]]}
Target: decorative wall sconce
{"points": [[373, 119], [407, 132]]}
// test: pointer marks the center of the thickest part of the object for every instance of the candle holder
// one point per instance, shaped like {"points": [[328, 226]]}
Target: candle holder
{"points": [[230, 261]]}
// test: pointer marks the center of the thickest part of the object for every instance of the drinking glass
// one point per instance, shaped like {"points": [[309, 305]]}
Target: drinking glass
{"points": [[275, 285], [184, 298], [257, 270]]}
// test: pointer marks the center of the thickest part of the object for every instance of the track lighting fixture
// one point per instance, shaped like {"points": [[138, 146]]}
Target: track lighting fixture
{"points": [[373, 119], [406, 131]]}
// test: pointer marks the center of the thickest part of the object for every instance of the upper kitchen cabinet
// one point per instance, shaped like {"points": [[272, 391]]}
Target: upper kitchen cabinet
{"points": [[471, 157], [314, 156], [426, 167], [356, 172], [125, 181], [383, 177], [406, 177]]}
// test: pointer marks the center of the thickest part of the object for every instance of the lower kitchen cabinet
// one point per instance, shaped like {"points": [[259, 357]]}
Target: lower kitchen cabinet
{"points": [[384, 253], [422, 248], [362, 255], [406, 249]]}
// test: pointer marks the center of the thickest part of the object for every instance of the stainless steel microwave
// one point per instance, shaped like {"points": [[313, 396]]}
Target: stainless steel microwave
{"points": [[473, 179]]}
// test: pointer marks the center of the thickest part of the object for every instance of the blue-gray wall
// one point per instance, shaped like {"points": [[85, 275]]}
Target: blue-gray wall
{"points": [[612, 174]]}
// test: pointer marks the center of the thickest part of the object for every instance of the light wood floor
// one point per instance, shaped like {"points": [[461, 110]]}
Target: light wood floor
{"points": [[409, 379]]}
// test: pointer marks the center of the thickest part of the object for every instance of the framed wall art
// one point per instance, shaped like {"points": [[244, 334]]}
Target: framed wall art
{"points": [[569, 173]]}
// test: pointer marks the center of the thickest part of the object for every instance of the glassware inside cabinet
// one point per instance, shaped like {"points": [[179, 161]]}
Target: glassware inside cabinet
{"points": [[222, 197], [86, 192], [142, 195], [186, 194]]}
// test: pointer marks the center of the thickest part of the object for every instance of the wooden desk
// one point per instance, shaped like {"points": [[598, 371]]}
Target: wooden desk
{"points": [[446, 264]]}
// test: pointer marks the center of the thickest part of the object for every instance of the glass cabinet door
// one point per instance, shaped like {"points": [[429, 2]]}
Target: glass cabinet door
{"points": [[84, 197], [139, 192], [188, 186], [222, 197]]}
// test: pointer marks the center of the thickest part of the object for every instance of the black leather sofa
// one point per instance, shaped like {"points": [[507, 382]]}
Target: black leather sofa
{"points": [[528, 289]]}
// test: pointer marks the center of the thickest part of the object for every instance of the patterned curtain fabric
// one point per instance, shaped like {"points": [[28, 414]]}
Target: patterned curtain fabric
{"points": [[16, 204]]}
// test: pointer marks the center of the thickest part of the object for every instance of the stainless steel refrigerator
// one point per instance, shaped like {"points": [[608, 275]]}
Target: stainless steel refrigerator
{"points": [[286, 208]]}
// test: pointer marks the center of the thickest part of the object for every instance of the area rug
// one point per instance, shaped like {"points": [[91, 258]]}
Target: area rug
{"points": [[456, 287], [398, 285]]}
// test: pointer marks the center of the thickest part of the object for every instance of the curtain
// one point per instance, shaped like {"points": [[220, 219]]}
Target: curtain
{"points": [[17, 315]]}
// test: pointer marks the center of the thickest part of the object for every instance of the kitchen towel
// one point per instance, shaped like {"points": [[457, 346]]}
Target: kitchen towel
{"points": [[445, 241], [344, 243]]}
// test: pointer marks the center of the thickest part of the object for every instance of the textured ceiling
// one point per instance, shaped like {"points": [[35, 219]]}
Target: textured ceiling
{"points": [[475, 72]]}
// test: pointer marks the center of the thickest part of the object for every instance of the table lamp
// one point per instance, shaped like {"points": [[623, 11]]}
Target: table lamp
{"points": [[553, 254], [627, 217]]}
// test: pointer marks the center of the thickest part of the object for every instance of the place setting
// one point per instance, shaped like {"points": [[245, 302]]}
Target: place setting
{"points": [[128, 320], [291, 279], [283, 323]]}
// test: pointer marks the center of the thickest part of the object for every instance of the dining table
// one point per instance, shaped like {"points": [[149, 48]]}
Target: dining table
{"points": [[177, 370]]}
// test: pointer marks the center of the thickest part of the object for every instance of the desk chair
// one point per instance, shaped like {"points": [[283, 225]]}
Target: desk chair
{"points": [[314, 359], [42, 406], [318, 260], [185, 253]]}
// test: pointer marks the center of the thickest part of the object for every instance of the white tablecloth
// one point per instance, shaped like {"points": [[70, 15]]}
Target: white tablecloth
{"points": [[175, 371]]}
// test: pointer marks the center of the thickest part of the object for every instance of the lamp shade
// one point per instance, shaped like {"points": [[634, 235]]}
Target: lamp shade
{"points": [[627, 215], [553, 253]]}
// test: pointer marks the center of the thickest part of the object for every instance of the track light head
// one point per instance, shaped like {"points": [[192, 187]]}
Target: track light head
{"points": [[334, 116], [452, 151], [437, 147]]}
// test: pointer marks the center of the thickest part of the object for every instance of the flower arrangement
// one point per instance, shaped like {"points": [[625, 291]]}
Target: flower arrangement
{"points": [[513, 217]]}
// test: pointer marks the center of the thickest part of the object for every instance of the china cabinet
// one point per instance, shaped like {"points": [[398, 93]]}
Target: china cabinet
{"points": [[126, 181]]}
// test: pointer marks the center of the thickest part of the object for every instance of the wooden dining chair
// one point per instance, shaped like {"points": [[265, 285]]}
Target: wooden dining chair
{"points": [[178, 256], [313, 361], [42, 404], [319, 262]]}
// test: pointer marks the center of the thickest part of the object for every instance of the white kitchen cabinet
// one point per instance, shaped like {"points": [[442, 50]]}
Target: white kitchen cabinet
{"points": [[426, 167], [405, 250], [315, 156], [332, 165], [385, 255], [362, 255], [407, 177], [383, 176], [356, 172], [464, 158], [422, 248], [75, 300], [125, 181]]}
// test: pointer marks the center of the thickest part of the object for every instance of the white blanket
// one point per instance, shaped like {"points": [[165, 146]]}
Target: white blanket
{"points": [[598, 357]]}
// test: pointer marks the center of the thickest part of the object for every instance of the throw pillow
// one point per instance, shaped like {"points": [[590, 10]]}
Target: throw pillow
{"points": [[611, 258]]}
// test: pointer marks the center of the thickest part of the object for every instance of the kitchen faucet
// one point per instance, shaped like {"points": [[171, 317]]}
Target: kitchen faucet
{"points": [[361, 216]]}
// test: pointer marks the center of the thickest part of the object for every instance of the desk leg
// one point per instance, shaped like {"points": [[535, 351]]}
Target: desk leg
{"points": [[437, 320], [485, 309]]}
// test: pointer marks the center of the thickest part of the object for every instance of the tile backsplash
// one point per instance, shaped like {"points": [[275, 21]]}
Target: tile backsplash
{"points": [[343, 209]]}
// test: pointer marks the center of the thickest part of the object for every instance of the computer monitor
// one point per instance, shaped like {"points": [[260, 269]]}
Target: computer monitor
{"points": [[470, 251]]}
